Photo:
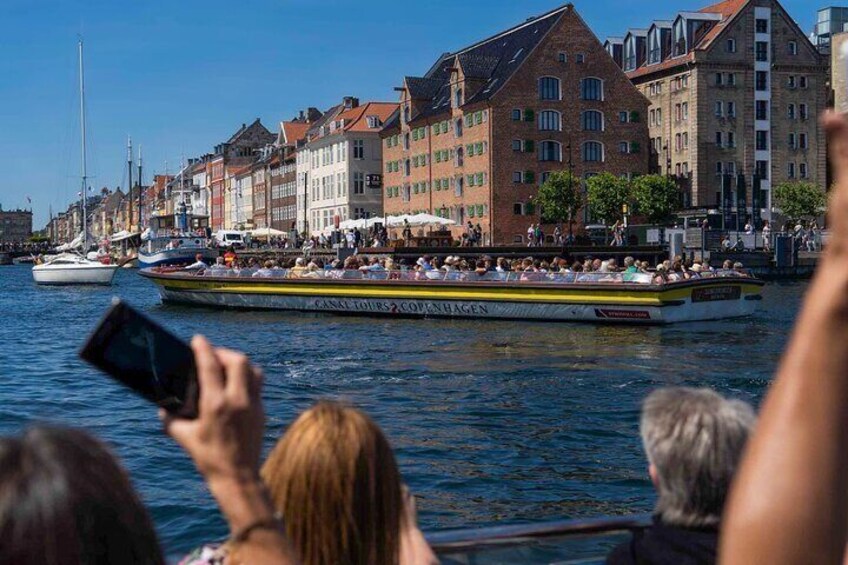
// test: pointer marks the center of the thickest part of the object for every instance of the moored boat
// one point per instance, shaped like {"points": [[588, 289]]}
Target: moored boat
{"points": [[69, 268], [631, 298]]}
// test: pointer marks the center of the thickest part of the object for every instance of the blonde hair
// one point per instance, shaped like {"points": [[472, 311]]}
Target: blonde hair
{"points": [[334, 479]]}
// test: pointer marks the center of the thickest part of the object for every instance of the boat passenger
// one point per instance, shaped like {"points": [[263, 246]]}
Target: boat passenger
{"points": [[299, 268], [695, 272], [267, 270], [630, 265], [199, 264], [481, 270], [661, 275], [693, 439], [230, 257], [335, 483]]}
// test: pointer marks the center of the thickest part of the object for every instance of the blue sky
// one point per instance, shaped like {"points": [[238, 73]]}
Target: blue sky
{"points": [[183, 75]]}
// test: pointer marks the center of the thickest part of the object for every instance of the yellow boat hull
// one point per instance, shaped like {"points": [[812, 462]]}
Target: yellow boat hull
{"points": [[705, 299]]}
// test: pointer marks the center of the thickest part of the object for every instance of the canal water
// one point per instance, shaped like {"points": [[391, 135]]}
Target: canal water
{"points": [[492, 422]]}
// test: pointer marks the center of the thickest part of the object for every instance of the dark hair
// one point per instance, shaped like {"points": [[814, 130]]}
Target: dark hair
{"points": [[65, 500]]}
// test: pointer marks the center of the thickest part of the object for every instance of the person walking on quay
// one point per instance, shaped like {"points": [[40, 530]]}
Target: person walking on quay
{"points": [[766, 236], [531, 235]]}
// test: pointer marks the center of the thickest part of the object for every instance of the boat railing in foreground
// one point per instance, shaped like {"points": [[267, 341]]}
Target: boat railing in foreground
{"points": [[570, 541], [460, 276]]}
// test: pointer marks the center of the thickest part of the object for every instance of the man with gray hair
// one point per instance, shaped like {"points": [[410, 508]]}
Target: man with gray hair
{"points": [[693, 438]]}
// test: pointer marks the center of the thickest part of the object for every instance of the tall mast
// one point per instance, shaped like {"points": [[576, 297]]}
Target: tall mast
{"points": [[140, 185], [130, 182], [84, 159]]}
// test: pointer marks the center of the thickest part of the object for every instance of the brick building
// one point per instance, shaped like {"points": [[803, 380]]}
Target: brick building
{"points": [[15, 225], [236, 153], [733, 88], [283, 170], [481, 130]]}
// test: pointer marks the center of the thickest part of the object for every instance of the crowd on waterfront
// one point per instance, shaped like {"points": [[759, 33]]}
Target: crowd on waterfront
{"points": [[26, 247]]}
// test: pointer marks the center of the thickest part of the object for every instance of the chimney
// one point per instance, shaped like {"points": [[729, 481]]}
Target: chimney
{"points": [[350, 102], [300, 116]]}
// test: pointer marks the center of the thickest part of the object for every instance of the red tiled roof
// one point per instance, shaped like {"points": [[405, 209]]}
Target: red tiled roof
{"points": [[295, 131], [355, 118], [669, 63]]}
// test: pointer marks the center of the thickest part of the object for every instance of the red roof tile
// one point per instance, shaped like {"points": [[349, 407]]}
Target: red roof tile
{"points": [[295, 131]]}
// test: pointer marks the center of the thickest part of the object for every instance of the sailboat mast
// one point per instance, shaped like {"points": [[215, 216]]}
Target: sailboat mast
{"points": [[130, 182], [84, 156], [140, 185]]}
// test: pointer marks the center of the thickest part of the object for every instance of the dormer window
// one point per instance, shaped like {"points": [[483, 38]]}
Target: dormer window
{"points": [[630, 53], [681, 46], [654, 47], [373, 122]]}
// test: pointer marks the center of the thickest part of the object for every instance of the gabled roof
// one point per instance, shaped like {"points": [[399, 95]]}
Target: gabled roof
{"points": [[719, 15], [493, 60], [355, 119], [292, 132]]}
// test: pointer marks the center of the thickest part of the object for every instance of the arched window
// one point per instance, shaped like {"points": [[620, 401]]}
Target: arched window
{"points": [[591, 89], [679, 37], [549, 120], [549, 88], [593, 152], [592, 120], [550, 151]]}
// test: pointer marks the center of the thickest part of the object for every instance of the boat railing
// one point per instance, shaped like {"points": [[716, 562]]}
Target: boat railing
{"points": [[566, 541], [463, 276]]}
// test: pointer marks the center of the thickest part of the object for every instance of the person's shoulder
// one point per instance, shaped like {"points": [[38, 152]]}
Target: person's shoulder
{"points": [[623, 553]]}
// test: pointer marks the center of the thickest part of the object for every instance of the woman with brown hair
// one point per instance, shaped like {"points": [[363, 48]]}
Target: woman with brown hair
{"points": [[335, 482]]}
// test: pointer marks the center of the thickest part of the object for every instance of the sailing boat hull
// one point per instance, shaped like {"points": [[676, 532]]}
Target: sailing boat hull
{"points": [[74, 274]]}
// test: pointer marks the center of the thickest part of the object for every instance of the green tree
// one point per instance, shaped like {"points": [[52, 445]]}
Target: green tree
{"points": [[798, 200], [607, 194], [656, 197], [559, 198]]}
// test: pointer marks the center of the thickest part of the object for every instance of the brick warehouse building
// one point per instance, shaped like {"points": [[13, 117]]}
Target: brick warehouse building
{"points": [[733, 88], [475, 137]]}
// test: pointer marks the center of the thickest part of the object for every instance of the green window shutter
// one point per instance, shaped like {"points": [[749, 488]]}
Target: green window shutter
{"points": [[529, 177], [470, 210], [479, 210], [634, 117], [529, 115], [478, 118], [478, 148], [469, 180], [634, 147], [528, 146], [479, 180]]}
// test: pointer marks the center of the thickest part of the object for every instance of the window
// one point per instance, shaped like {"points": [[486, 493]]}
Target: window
{"points": [[762, 140], [791, 81], [516, 115], [731, 139], [731, 109], [719, 168], [792, 143], [719, 79], [802, 81], [549, 88], [457, 185], [685, 111], [719, 139], [679, 37], [761, 26], [730, 46], [761, 168], [529, 177], [516, 177], [790, 111], [654, 47], [624, 147], [591, 89], [563, 58], [550, 151], [373, 122], [791, 171], [407, 167], [761, 81], [802, 111], [719, 109], [761, 110], [549, 120], [793, 47], [528, 145], [802, 141], [517, 209], [457, 128], [406, 141], [516, 145], [731, 79], [358, 149], [457, 97], [761, 50], [622, 117], [529, 115], [802, 170], [592, 120], [730, 167], [593, 151], [685, 140], [580, 58]]}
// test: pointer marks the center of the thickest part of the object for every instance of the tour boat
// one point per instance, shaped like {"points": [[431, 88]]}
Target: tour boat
{"points": [[580, 297]]}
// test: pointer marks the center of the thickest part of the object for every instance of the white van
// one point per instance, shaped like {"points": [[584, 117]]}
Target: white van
{"points": [[230, 238]]}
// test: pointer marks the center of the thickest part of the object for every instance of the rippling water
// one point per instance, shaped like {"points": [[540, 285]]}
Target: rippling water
{"points": [[493, 422]]}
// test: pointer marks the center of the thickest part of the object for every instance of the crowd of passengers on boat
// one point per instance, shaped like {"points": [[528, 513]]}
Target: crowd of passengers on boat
{"points": [[454, 268]]}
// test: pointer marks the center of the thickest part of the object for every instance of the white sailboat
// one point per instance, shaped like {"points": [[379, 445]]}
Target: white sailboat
{"points": [[72, 268]]}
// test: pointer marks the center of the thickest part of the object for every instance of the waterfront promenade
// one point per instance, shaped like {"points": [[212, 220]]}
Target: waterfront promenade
{"points": [[496, 423]]}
